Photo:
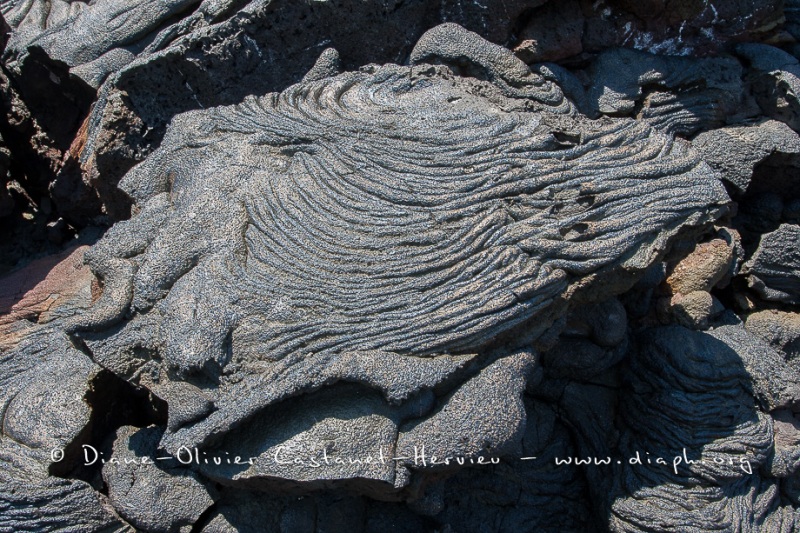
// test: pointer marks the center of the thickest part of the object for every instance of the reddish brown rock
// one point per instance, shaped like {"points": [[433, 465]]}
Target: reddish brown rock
{"points": [[54, 285], [694, 310], [705, 267]]}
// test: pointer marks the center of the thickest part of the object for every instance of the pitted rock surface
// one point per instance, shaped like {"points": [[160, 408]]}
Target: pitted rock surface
{"points": [[385, 219], [340, 288], [773, 269], [724, 436], [44, 407]]}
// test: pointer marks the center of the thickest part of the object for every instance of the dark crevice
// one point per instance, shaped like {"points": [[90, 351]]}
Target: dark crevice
{"points": [[518, 26], [58, 101], [114, 403], [567, 139], [37, 126], [585, 200], [204, 518]]}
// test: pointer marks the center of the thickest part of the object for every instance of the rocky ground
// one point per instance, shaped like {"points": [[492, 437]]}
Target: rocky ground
{"points": [[400, 266]]}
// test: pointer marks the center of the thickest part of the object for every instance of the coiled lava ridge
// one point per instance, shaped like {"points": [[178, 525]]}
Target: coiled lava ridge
{"points": [[393, 210]]}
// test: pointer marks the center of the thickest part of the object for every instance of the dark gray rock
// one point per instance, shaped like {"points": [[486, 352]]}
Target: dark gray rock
{"points": [[369, 227], [342, 436], [468, 54], [397, 377], [775, 79], [203, 54], [689, 27], [152, 497], [678, 94], [553, 32], [95, 39], [589, 409], [758, 214], [791, 211], [605, 323], [37, 142], [786, 460], [221, 61], [595, 339], [772, 272], [688, 398], [484, 418], [244, 512], [735, 151], [775, 384], [7, 203], [544, 496], [44, 384], [153, 60], [187, 403], [445, 257], [580, 359], [218, 55]]}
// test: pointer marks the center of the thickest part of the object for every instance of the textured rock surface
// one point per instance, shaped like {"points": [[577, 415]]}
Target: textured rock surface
{"points": [[775, 78], [773, 270], [708, 264], [672, 376], [780, 328], [553, 32], [680, 95], [44, 387], [446, 202], [373, 273], [693, 310], [484, 416], [61, 284], [151, 496], [736, 150]]}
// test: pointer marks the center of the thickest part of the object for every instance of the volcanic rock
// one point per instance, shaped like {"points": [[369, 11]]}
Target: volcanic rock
{"points": [[693, 310], [773, 270], [367, 272], [780, 328], [735, 151], [775, 78], [46, 418], [677, 94], [701, 473], [553, 32], [202, 285], [151, 496], [707, 265]]}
